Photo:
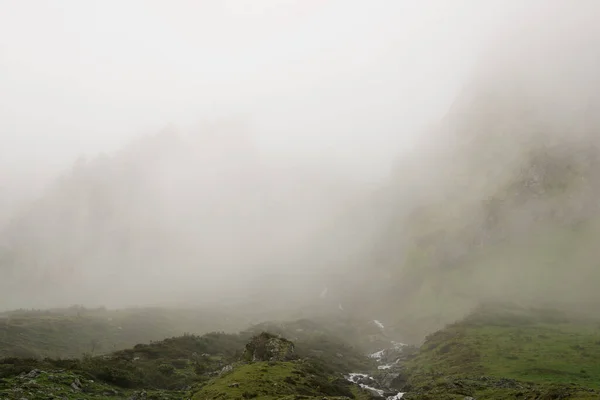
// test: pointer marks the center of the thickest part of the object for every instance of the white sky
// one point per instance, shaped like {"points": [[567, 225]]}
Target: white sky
{"points": [[352, 80]]}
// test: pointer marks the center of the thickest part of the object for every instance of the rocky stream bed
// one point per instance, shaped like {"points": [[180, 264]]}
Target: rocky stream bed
{"points": [[389, 378]]}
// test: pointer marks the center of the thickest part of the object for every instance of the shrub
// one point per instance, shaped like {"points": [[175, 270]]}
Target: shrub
{"points": [[166, 369]]}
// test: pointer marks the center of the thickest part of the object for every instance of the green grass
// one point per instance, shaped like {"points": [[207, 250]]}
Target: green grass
{"points": [[281, 380], [504, 352], [176, 366], [173, 364], [554, 265], [560, 353], [57, 384], [326, 341], [76, 331]]}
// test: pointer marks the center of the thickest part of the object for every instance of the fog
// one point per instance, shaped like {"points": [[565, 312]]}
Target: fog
{"points": [[87, 77], [262, 151]]}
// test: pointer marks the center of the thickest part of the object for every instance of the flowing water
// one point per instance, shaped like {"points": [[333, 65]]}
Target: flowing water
{"points": [[367, 382]]}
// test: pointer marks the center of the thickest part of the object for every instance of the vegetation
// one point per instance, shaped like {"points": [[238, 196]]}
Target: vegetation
{"points": [[73, 332], [497, 352], [500, 352], [206, 364], [327, 340], [64, 384], [282, 380], [172, 364]]}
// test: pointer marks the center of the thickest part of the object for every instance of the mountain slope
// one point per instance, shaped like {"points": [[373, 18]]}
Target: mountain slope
{"points": [[214, 365], [496, 202], [502, 352]]}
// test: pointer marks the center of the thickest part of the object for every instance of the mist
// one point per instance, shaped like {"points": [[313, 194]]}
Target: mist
{"points": [[388, 160]]}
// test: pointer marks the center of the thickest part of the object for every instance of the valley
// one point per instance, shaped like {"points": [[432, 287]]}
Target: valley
{"points": [[497, 352]]}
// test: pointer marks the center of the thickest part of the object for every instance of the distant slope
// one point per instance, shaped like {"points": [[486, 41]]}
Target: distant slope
{"points": [[499, 201], [77, 331], [214, 365]]}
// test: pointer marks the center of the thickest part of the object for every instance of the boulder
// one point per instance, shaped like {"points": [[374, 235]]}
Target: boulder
{"points": [[34, 373], [268, 347]]}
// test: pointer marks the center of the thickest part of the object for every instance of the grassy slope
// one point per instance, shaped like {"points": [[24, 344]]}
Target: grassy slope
{"points": [[58, 385], [496, 353], [527, 270], [73, 332], [179, 366], [171, 366], [499, 353], [284, 380]]}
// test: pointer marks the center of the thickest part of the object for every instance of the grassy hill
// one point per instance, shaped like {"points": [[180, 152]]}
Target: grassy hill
{"points": [[68, 333], [286, 380], [497, 352], [500, 352], [211, 365]]}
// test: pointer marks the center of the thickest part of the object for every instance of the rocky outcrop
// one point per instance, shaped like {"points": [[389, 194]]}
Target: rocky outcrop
{"points": [[268, 347]]}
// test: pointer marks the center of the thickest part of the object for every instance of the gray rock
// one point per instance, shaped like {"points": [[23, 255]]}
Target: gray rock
{"points": [[366, 380], [34, 373], [385, 378], [139, 395], [226, 369], [373, 391], [267, 347]]}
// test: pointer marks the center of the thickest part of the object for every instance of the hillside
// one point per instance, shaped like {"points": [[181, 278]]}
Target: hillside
{"points": [[499, 351], [214, 365], [73, 332], [496, 202], [502, 352]]}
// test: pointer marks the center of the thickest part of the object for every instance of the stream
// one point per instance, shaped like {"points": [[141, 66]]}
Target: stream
{"points": [[388, 359]]}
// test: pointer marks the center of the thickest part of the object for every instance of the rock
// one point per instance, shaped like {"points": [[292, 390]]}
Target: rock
{"points": [[373, 391], [399, 382], [226, 369], [139, 395], [268, 347], [34, 373], [469, 398], [365, 380], [75, 387], [385, 379], [397, 354], [234, 385]]}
